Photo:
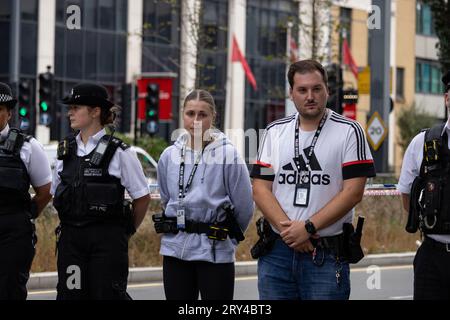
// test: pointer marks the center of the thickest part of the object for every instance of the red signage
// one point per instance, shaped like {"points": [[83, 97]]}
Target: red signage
{"points": [[349, 111], [165, 97]]}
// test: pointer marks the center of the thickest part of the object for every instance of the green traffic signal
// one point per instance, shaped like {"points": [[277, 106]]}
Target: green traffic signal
{"points": [[44, 106], [151, 113], [23, 111]]}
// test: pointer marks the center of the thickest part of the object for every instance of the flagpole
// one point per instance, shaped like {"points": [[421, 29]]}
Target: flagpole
{"points": [[289, 105], [228, 86]]}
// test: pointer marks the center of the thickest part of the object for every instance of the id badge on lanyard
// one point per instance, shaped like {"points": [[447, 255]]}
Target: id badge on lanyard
{"points": [[181, 216], [302, 190]]}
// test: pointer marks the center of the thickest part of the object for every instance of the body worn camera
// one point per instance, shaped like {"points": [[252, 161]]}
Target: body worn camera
{"points": [[12, 140], [163, 224]]}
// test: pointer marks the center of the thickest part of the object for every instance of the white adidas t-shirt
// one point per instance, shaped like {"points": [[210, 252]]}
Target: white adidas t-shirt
{"points": [[341, 152]]}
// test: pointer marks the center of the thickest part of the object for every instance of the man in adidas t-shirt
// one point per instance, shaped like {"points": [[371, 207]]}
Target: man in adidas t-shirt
{"points": [[310, 173]]}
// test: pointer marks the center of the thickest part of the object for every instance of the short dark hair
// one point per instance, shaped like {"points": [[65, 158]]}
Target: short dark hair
{"points": [[306, 66]]}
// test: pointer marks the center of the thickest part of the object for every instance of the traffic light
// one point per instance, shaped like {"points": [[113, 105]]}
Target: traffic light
{"points": [[335, 86], [152, 108], [24, 104], [122, 98], [46, 90]]}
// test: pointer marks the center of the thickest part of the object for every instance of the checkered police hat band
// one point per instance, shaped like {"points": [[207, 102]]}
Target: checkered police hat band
{"points": [[5, 98]]}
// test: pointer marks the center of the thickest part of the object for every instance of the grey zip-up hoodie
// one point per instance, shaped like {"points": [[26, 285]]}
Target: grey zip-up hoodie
{"points": [[221, 177]]}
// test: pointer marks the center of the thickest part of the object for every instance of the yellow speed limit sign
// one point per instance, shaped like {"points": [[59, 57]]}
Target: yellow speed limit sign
{"points": [[376, 131]]}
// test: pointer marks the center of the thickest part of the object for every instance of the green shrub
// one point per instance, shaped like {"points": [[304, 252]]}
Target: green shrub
{"points": [[154, 146], [410, 122]]}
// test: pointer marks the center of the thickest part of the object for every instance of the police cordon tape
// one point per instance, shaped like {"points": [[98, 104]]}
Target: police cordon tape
{"points": [[48, 280], [371, 190]]}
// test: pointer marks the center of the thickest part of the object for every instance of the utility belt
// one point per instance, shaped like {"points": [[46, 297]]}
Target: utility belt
{"points": [[215, 231], [346, 245], [437, 245]]}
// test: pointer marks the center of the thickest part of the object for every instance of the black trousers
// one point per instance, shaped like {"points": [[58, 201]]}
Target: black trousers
{"points": [[92, 262], [183, 280], [17, 251], [432, 271]]}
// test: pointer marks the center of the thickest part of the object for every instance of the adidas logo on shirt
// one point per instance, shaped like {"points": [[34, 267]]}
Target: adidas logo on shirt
{"points": [[289, 174]]}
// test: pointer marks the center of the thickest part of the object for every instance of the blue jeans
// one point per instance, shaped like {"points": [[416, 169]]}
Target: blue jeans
{"points": [[284, 274]]}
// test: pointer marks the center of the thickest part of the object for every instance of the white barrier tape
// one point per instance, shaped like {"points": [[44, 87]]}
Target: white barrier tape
{"points": [[367, 193], [374, 193]]}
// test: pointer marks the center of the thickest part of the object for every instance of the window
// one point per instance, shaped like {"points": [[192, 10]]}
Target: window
{"points": [[424, 20], [97, 52], [5, 9], [212, 53], [428, 77], [400, 84], [266, 56]]}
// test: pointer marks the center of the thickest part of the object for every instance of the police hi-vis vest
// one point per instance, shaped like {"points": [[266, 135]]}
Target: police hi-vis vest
{"points": [[14, 178], [87, 192]]}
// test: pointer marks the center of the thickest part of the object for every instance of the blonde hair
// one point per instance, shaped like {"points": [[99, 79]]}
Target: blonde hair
{"points": [[204, 96]]}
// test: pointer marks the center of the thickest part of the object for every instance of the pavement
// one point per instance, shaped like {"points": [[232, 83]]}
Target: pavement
{"points": [[48, 280]]}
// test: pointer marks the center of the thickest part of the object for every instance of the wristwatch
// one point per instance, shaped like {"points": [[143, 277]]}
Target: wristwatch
{"points": [[310, 228]]}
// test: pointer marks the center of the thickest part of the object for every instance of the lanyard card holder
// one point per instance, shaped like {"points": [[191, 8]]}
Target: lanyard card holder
{"points": [[181, 218], [302, 191]]}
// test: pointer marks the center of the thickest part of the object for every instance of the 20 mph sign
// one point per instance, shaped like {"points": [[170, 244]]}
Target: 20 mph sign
{"points": [[376, 131]]}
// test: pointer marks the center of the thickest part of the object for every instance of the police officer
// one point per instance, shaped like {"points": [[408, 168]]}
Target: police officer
{"points": [[89, 182], [22, 162], [425, 187]]}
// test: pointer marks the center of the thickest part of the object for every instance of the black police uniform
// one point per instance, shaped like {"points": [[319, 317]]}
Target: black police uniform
{"points": [[17, 233], [430, 212], [93, 235]]}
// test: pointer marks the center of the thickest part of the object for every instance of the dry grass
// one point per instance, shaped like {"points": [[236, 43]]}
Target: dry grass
{"points": [[384, 231]]}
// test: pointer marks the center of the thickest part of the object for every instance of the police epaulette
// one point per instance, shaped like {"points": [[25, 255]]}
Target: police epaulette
{"points": [[27, 138], [119, 143]]}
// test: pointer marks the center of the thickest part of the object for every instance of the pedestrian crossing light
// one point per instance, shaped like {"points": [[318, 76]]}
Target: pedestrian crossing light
{"points": [[151, 107], [46, 89]]}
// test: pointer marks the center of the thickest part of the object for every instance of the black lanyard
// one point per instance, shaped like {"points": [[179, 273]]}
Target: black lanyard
{"points": [[313, 143], [181, 189]]}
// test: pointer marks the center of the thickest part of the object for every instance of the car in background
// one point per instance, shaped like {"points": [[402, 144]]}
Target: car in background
{"points": [[149, 165]]}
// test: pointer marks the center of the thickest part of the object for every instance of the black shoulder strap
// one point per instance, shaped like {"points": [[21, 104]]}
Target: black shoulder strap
{"points": [[435, 133], [111, 149], [432, 134], [66, 147]]}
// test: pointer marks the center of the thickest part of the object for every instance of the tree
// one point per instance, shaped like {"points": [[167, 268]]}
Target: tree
{"points": [[441, 16], [410, 122]]}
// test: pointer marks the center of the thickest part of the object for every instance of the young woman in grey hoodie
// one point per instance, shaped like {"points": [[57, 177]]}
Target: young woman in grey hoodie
{"points": [[212, 175]]}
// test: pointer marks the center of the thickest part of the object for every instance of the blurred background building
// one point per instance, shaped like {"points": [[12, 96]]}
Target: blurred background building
{"points": [[180, 45]]}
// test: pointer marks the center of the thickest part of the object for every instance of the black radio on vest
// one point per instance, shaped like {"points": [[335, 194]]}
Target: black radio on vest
{"points": [[100, 150]]}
